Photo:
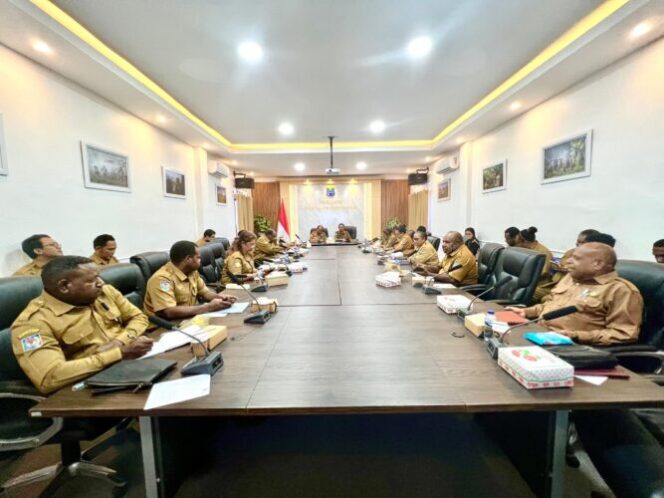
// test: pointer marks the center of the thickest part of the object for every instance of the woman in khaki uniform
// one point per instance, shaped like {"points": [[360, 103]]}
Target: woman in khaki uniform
{"points": [[527, 240], [241, 260], [425, 253]]}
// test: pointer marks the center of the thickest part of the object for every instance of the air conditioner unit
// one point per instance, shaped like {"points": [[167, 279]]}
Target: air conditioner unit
{"points": [[447, 164], [217, 168]]}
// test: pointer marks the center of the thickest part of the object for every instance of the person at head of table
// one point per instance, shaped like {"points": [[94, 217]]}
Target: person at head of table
{"points": [[404, 243], [610, 308], [471, 240], [105, 247], [266, 245], [527, 240], [174, 290], [425, 253], [318, 235], [208, 235], [41, 249], [342, 234], [658, 250], [458, 266], [241, 260], [78, 326]]}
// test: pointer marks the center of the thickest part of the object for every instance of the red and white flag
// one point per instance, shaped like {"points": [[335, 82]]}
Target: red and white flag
{"points": [[282, 225]]}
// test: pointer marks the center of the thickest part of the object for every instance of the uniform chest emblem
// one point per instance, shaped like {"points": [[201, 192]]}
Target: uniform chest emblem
{"points": [[238, 264], [32, 342], [165, 285]]}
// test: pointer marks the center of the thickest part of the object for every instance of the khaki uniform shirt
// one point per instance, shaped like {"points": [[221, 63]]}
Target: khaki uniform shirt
{"points": [[610, 309], [170, 287], [317, 237], [561, 271], [425, 255], [405, 245], [391, 241], [32, 269], [342, 235], [467, 273], [201, 242], [237, 264], [55, 343], [265, 248], [102, 262]]}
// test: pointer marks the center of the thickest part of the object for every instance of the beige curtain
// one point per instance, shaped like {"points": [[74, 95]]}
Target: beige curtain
{"points": [[245, 212], [418, 209]]}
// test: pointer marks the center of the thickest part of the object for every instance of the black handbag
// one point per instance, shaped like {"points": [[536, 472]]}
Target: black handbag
{"points": [[129, 374], [584, 357]]}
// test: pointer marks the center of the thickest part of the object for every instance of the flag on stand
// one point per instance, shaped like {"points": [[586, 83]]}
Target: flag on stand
{"points": [[282, 224]]}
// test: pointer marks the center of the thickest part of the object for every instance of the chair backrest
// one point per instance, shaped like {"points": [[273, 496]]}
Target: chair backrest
{"points": [[15, 294], [487, 257], [219, 244], [524, 268], [648, 277], [208, 268], [352, 231], [128, 279], [150, 262], [435, 241], [224, 242], [218, 254], [327, 234]]}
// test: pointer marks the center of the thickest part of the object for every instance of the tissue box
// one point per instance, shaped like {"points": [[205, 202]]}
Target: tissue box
{"points": [[388, 279], [237, 287], [535, 368], [276, 278], [475, 324], [216, 334], [266, 304], [452, 303], [296, 267]]}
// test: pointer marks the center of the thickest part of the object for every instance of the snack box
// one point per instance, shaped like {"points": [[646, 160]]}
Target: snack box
{"points": [[276, 278], [265, 304], [535, 368]]}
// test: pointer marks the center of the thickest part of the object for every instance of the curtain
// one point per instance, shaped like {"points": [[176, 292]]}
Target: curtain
{"points": [[418, 209], [245, 212]]}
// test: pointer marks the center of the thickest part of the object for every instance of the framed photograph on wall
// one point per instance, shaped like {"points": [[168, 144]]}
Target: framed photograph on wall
{"points": [[221, 195], [444, 190], [4, 169], [567, 159], [104, 169], [174, 182], [494, 177]]}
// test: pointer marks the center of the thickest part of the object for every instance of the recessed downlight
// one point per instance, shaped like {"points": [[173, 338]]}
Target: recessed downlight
{"points": [[160, 119], [299, 166], [377, 126], [286, 129], [459, 140], [515, 106], [361, 165], [42, 47], [420, 47], [250, 51], [639, 30]]}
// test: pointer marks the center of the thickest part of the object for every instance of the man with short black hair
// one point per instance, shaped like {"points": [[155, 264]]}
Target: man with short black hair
{"points": [[173, 291], [658, 250], [78, 326], [342, 234], [105, 247], [41, 248], [458, 266], [267, 246], [405, 244], [208, 235], [602, 238], [512, 236]]}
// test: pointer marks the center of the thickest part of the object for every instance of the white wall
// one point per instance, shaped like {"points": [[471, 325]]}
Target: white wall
{"points": [[624, 196], [45, 118]]}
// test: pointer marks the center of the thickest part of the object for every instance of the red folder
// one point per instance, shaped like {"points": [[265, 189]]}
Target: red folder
{"points": [[509, 317]]}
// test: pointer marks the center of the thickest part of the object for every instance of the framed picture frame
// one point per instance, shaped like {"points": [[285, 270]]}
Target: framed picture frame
{"points": [[4, 168], [174, 182], [567, 159], [444, 190], [221, 195], [105, 169], [494, 177]]}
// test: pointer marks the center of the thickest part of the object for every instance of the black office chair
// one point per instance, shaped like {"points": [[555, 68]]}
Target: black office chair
{"points": [[487, 257], [352, 231], [150, 262], [523, 267], [208, 269], [435, 241], [224, 242], [19, 432], [128, 279], [219, 244]]}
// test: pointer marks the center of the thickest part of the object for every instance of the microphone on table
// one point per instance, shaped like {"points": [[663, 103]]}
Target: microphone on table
{"points": [[463, 313], [495, 343], [209, 364], [260, 316], [430, 289]]}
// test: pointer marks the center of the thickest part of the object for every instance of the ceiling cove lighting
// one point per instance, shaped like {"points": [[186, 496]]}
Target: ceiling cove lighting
{"points": [[420, 47], [250, 51], [361, 165], [604, 11], [42, 47], [639, 30], [286, 129], [377, 126], [299, 166]]}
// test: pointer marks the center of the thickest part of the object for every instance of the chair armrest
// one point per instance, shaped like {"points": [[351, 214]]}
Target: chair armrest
{"points": [[643, 362], [475, 287], [27, 441], [506, 302]]}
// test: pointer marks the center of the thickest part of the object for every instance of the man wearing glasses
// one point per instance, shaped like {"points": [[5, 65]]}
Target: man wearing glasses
{"points": [[41, 248]]}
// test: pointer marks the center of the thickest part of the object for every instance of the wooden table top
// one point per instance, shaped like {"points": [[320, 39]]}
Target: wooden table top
{"points": [[375, 350]]}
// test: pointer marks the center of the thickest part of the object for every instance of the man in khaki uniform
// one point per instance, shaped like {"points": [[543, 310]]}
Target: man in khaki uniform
{"points": [[41, 248], [208, 235], [105, 247], [458, 266], [342, 234], [610, 308], [78, 326], [266, 246], [425, 254], [404, 243], [318, 235], [173, 291]]}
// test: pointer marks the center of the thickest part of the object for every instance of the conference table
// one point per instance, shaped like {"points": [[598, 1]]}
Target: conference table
{"points": [[339, 344]]}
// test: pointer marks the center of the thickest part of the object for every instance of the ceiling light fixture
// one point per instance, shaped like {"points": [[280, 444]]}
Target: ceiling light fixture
{"points": [[42, 47], [377, 126], [361, 165], [459, 140], [286, 129], [299, 166], [420, 47], [250, 51], [160, 119], [515, 106], [639, 30], [251, 173]]}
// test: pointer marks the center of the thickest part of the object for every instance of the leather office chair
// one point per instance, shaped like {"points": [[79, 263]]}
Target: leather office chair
{"points": [[487, 257], [224, 242], [219, 244], [149, 262], [19, 432], [208, 269], [523, 267], [435, 241], [128, 279], [352, 231]]}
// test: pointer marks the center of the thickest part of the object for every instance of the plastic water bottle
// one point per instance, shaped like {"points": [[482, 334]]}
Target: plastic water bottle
{"points": [[489, 319]]}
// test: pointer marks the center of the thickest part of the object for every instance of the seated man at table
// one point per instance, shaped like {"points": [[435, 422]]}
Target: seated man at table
{"points": [[208, 235], [425, 254], [318, 235], [174, 290], [458, 266], [41, 249], [105, 247], [342, 235], [404, 243], [266, 246], [610, 308], [76, 327]]}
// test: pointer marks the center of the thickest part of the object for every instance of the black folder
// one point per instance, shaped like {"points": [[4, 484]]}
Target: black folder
{"points": [[130, 374]]}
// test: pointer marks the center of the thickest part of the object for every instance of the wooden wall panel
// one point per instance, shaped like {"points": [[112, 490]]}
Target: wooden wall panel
{"points": [[393, 200], [266, 201]]}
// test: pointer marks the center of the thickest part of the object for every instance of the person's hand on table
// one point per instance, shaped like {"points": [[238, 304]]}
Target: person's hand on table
{"points": [[519, 311], [110, 345], [227, 297], [136, 349], [217, 304]]}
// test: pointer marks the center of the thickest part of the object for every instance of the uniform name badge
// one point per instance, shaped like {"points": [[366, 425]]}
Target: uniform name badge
{"points": [[32, 342], [165, 285]]}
